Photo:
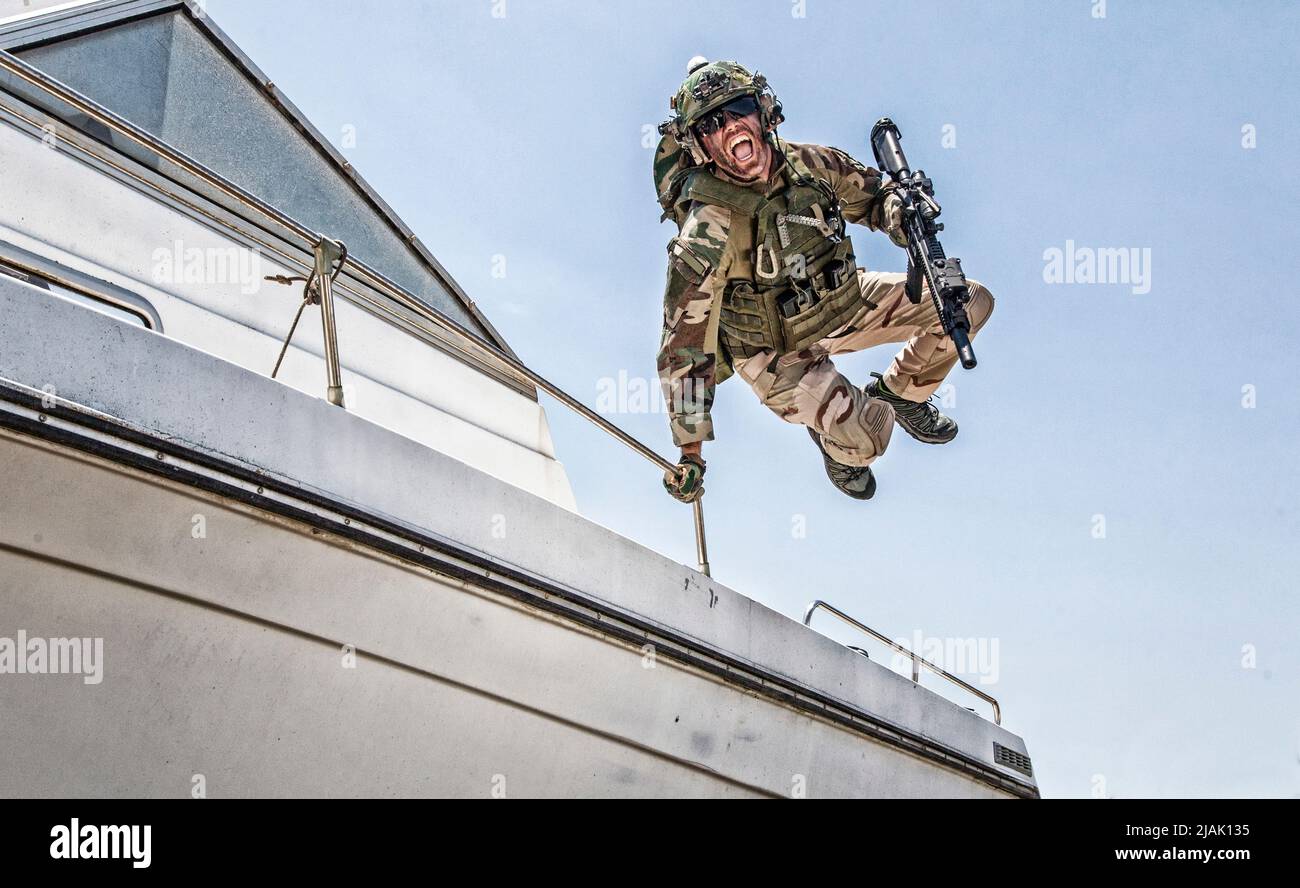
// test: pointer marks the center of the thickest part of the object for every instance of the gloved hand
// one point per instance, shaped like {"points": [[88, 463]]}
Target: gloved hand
{"points": [[891, 214], [687, 483]]}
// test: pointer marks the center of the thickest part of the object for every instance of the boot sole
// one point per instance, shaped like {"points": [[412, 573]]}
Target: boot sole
{"points": [[826, 459], [922, 438]]}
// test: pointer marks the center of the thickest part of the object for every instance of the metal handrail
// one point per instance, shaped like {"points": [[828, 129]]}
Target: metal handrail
{"points": [[917, 661], [41, 81]]}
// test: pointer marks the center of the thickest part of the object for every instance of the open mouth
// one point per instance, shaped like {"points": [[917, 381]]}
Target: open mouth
{"points": [[741, 148]]}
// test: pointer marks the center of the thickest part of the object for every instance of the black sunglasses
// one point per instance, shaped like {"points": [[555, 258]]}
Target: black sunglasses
{"points": [[716, 119]]}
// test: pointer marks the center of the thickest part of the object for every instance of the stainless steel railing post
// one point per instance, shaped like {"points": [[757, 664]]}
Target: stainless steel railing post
{"points": [[917, 660], [701, 548], [328, 252]]}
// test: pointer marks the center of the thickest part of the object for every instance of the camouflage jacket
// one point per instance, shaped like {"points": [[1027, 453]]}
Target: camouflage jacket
{"points": [[701, 262]]}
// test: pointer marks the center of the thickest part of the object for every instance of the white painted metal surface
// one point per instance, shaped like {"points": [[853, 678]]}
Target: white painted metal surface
{"points": [[225, 653], [225, 657]]}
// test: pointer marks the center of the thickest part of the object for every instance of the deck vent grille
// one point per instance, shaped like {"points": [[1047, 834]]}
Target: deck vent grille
{"points": [[1012, 759]]}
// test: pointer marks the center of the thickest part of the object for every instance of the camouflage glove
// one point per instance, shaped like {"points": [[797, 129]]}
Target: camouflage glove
{"points": [[891, 214], [687, 483]]}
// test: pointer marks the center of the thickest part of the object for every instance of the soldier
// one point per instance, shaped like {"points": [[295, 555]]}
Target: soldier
{"points": [[762, 282]]}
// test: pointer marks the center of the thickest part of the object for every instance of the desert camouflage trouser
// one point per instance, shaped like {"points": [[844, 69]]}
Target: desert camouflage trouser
{"points": [[804, 387]]}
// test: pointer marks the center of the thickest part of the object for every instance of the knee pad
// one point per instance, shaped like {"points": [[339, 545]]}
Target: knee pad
{"points": [[981, 304], [863, 436]]}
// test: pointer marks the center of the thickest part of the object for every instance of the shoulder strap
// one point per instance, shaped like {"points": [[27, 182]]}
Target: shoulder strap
{"points": [[798, 172], [671, 166], [707, 188], [794, 163], [712, 330]]}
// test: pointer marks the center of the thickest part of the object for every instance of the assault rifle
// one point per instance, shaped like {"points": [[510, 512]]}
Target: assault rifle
{"points": [[925, 255]]}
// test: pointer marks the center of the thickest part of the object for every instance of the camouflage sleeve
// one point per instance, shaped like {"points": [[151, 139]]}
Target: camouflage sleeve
{"points": [[858, 187], [687, 370]]}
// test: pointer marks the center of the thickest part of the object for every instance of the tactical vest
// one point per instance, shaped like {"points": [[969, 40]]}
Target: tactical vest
{"points": [[805, 282]]}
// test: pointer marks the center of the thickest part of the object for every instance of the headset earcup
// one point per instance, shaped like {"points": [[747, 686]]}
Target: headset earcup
{"points": [[771, 107]]}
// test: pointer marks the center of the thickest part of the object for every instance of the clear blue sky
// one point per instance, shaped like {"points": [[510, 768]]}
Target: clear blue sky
{"points": [[1120, 658]]}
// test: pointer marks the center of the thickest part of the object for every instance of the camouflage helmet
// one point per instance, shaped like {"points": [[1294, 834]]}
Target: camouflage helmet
{"points": [[710, 85]]}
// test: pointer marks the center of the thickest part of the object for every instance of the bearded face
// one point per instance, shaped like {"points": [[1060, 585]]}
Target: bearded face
{"points": [[735, 142]]}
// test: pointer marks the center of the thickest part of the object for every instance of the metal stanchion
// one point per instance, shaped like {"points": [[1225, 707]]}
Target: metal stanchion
{"points": [[328, 252]]}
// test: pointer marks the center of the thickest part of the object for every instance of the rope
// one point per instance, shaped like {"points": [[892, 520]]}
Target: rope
{"points": [[307, 298]]}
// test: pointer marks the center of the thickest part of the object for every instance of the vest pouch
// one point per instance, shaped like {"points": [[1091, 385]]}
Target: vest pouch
{"points": [[748, 323], [836, 298]]}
